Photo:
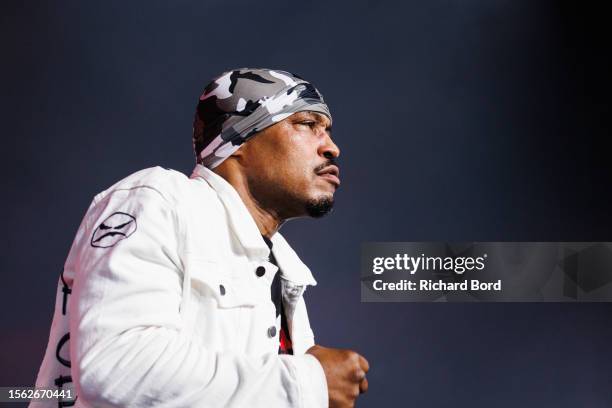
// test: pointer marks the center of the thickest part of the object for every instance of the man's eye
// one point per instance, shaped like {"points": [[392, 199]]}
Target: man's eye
{"points": [[308, 123]]}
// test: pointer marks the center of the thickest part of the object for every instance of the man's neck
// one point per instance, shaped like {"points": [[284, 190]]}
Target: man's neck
{"points": [[267, 221]]}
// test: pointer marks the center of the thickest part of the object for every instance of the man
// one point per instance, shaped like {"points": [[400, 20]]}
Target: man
{"points": [[181, 292]]}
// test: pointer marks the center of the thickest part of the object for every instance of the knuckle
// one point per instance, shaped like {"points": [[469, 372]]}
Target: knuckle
{"points": [[353, 358], [366, 364]]}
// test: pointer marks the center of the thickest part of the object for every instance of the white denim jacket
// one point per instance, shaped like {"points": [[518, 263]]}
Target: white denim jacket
{"points": [[161, 303]]}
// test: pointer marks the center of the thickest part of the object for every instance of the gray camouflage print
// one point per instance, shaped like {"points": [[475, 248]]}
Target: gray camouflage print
{"points": [[241, 102]]}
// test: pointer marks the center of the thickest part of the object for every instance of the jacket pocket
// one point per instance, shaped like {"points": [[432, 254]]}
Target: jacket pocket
{"points": [[220, 282]]}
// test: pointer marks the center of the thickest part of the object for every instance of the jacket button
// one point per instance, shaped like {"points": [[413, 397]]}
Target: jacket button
{"points": [[271, 331], [222, 289], [260, 271]]}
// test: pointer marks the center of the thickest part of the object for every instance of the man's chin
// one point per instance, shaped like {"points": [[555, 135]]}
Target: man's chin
{"points": [[319, 207]]}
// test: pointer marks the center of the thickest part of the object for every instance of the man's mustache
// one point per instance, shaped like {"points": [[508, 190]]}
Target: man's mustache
{"points": [[329, 162]]}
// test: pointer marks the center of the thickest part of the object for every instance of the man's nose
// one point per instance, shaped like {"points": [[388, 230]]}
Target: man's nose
{"points": [[329, 149]]}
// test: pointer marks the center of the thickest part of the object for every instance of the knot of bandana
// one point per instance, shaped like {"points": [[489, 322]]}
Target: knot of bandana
{"points": [[240, 103]]}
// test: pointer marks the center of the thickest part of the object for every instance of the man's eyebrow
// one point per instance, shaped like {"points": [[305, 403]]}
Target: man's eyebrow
{"points": [[320, 118]]}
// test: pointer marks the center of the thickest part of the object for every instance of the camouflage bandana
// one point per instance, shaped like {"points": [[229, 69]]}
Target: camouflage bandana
{"points": [[244, 101]]}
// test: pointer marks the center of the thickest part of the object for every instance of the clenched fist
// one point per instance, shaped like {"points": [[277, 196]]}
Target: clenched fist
{"points": [[345, 371]]}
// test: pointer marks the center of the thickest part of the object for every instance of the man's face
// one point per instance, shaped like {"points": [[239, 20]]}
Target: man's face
{"points": [[290, 166]]}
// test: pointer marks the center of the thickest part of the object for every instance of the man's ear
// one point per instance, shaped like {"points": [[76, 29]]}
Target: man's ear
{"points": [[239, 155]]}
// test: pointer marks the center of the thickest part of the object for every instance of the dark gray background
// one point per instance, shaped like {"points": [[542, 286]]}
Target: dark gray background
{"points": [[457, 120]]}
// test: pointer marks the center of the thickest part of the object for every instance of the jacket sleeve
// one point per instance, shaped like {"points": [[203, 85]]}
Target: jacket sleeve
{"points": [[128, 343]]}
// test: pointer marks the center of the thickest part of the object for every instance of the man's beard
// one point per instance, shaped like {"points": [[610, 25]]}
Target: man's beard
{"points": [[317, 208]]}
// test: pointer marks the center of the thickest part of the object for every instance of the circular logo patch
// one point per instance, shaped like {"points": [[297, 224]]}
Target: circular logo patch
{"points": [[113, 229]]}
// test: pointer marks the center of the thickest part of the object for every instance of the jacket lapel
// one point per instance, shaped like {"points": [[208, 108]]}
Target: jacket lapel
{"points": [[291, 266]]}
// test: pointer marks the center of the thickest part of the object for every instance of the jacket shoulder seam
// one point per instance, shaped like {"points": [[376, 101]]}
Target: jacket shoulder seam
{"points": [[100, 197]]}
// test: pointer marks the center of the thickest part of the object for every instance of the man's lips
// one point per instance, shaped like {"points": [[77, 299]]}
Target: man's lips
{"points": [[331, 174]]}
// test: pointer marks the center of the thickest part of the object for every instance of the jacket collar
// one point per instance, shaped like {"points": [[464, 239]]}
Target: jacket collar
{"points": [[244, 227]]}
